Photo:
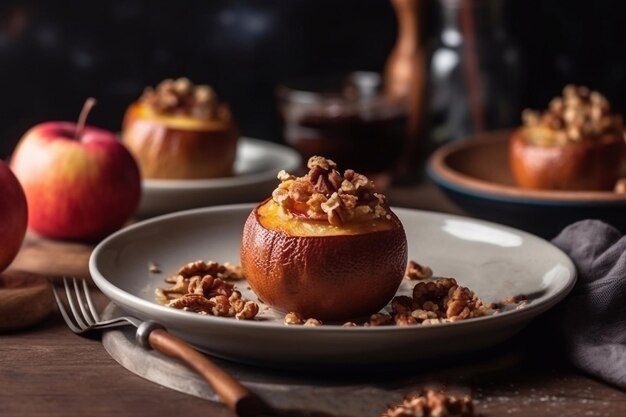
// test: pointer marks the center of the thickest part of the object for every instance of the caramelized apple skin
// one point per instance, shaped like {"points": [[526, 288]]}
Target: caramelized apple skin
{"points": [[166, 150], [587, 165], [325, 277]]}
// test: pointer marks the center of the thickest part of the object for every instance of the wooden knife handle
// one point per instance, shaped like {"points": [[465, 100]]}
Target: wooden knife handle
{"points": [[235, 396]]}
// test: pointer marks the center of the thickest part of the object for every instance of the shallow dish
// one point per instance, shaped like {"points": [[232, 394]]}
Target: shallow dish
{"points": [[256, 166], [475, 174], [495, 261]]}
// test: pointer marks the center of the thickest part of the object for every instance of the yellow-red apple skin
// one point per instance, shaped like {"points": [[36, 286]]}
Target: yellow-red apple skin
{"points": [[13, 216], [324, 277], [76, 189], [166, 151], [587, 165]]}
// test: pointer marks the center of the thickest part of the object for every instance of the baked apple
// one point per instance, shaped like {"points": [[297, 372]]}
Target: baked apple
{"points": [[325, 245], [181, 131], [576, 144]]}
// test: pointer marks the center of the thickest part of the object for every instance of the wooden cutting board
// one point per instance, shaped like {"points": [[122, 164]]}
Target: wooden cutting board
{"points": [[53, 258]]}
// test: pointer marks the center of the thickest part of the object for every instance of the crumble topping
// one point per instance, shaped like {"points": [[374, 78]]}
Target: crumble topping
{"points": [[326, 194], [578, 115], [182, 97]]}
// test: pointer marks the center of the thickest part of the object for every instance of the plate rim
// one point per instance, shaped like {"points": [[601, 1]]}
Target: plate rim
{"points": [[530, 311], [292, 161], [442, 174]]}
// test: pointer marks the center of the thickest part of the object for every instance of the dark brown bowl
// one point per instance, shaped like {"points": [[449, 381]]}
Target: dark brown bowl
{"points": [[475, 174]]}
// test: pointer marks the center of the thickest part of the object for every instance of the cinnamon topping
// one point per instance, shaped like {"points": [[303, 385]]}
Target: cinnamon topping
{"points": [[326, 194]]}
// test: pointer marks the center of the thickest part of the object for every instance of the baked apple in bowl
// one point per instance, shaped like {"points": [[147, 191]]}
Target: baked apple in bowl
{"points": [[577, 144], [179, 130], [325, 245]]}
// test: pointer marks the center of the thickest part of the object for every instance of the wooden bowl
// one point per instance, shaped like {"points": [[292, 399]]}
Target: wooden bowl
{"points": [[476, 175]]}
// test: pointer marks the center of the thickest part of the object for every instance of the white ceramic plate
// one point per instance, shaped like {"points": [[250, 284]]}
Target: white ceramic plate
{"points": [[256, 166], [495, 261]]}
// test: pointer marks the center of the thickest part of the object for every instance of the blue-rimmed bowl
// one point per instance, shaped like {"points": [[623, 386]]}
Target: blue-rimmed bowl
{"points": [[475, 175]]}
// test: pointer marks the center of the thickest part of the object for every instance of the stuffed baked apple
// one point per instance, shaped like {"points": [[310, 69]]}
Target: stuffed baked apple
{"points": [[181, 131], [325, 245], [576, 144]]}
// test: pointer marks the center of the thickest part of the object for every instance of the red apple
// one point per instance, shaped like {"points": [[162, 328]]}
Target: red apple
{"points": [[80, 182], [13, 216]]}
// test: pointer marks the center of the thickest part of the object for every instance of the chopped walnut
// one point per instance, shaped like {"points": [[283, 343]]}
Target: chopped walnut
{"points": [[325, 194], [221, 306], [154, 268], [192, 302], [404, 319], [438, 301], [433, 290], [180, 288], [293, 318], [248, 312], [181, 97], [225, 271], [201, 287], [432, 403], [518, 301], [200, 268], [579, 114], [402, 304], [232, 272], [312, 322], [415, 271], [513, 299], [379, 319]]}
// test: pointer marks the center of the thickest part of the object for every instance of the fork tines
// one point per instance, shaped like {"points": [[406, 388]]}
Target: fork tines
{"points": [[84, 314]]}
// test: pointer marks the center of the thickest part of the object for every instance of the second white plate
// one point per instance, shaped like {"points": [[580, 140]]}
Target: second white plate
{"points": [[256, 166], [495, 261]]}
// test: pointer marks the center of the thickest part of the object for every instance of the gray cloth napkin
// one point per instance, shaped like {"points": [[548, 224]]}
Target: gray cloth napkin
{"points": [[593, 316]]}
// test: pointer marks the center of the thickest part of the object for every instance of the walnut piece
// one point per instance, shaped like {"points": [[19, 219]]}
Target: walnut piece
{"points": [[432, 403], [202, 287], [415, 271], [292, 318], [578, 115], [442, 299], [154, 268], [181, 97], [379, 319], [325, 194]]}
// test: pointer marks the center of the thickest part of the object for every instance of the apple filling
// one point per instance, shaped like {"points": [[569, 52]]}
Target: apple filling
{"points": [[270, 218], [580, 114]]}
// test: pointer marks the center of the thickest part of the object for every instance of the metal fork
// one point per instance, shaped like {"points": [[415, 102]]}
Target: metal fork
{"points": [[151, 335]]}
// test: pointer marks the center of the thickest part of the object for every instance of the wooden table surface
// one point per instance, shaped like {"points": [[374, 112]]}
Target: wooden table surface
{"points": [[46, 370]]}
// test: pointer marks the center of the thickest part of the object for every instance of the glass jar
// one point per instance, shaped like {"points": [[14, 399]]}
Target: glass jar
{"points": [[347, 119]]}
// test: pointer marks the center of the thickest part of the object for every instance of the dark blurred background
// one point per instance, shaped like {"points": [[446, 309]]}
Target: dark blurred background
{"points": [[55, 54]]}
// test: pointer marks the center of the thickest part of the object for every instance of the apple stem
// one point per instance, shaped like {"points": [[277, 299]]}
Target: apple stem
{"points": [[82, 119]]}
